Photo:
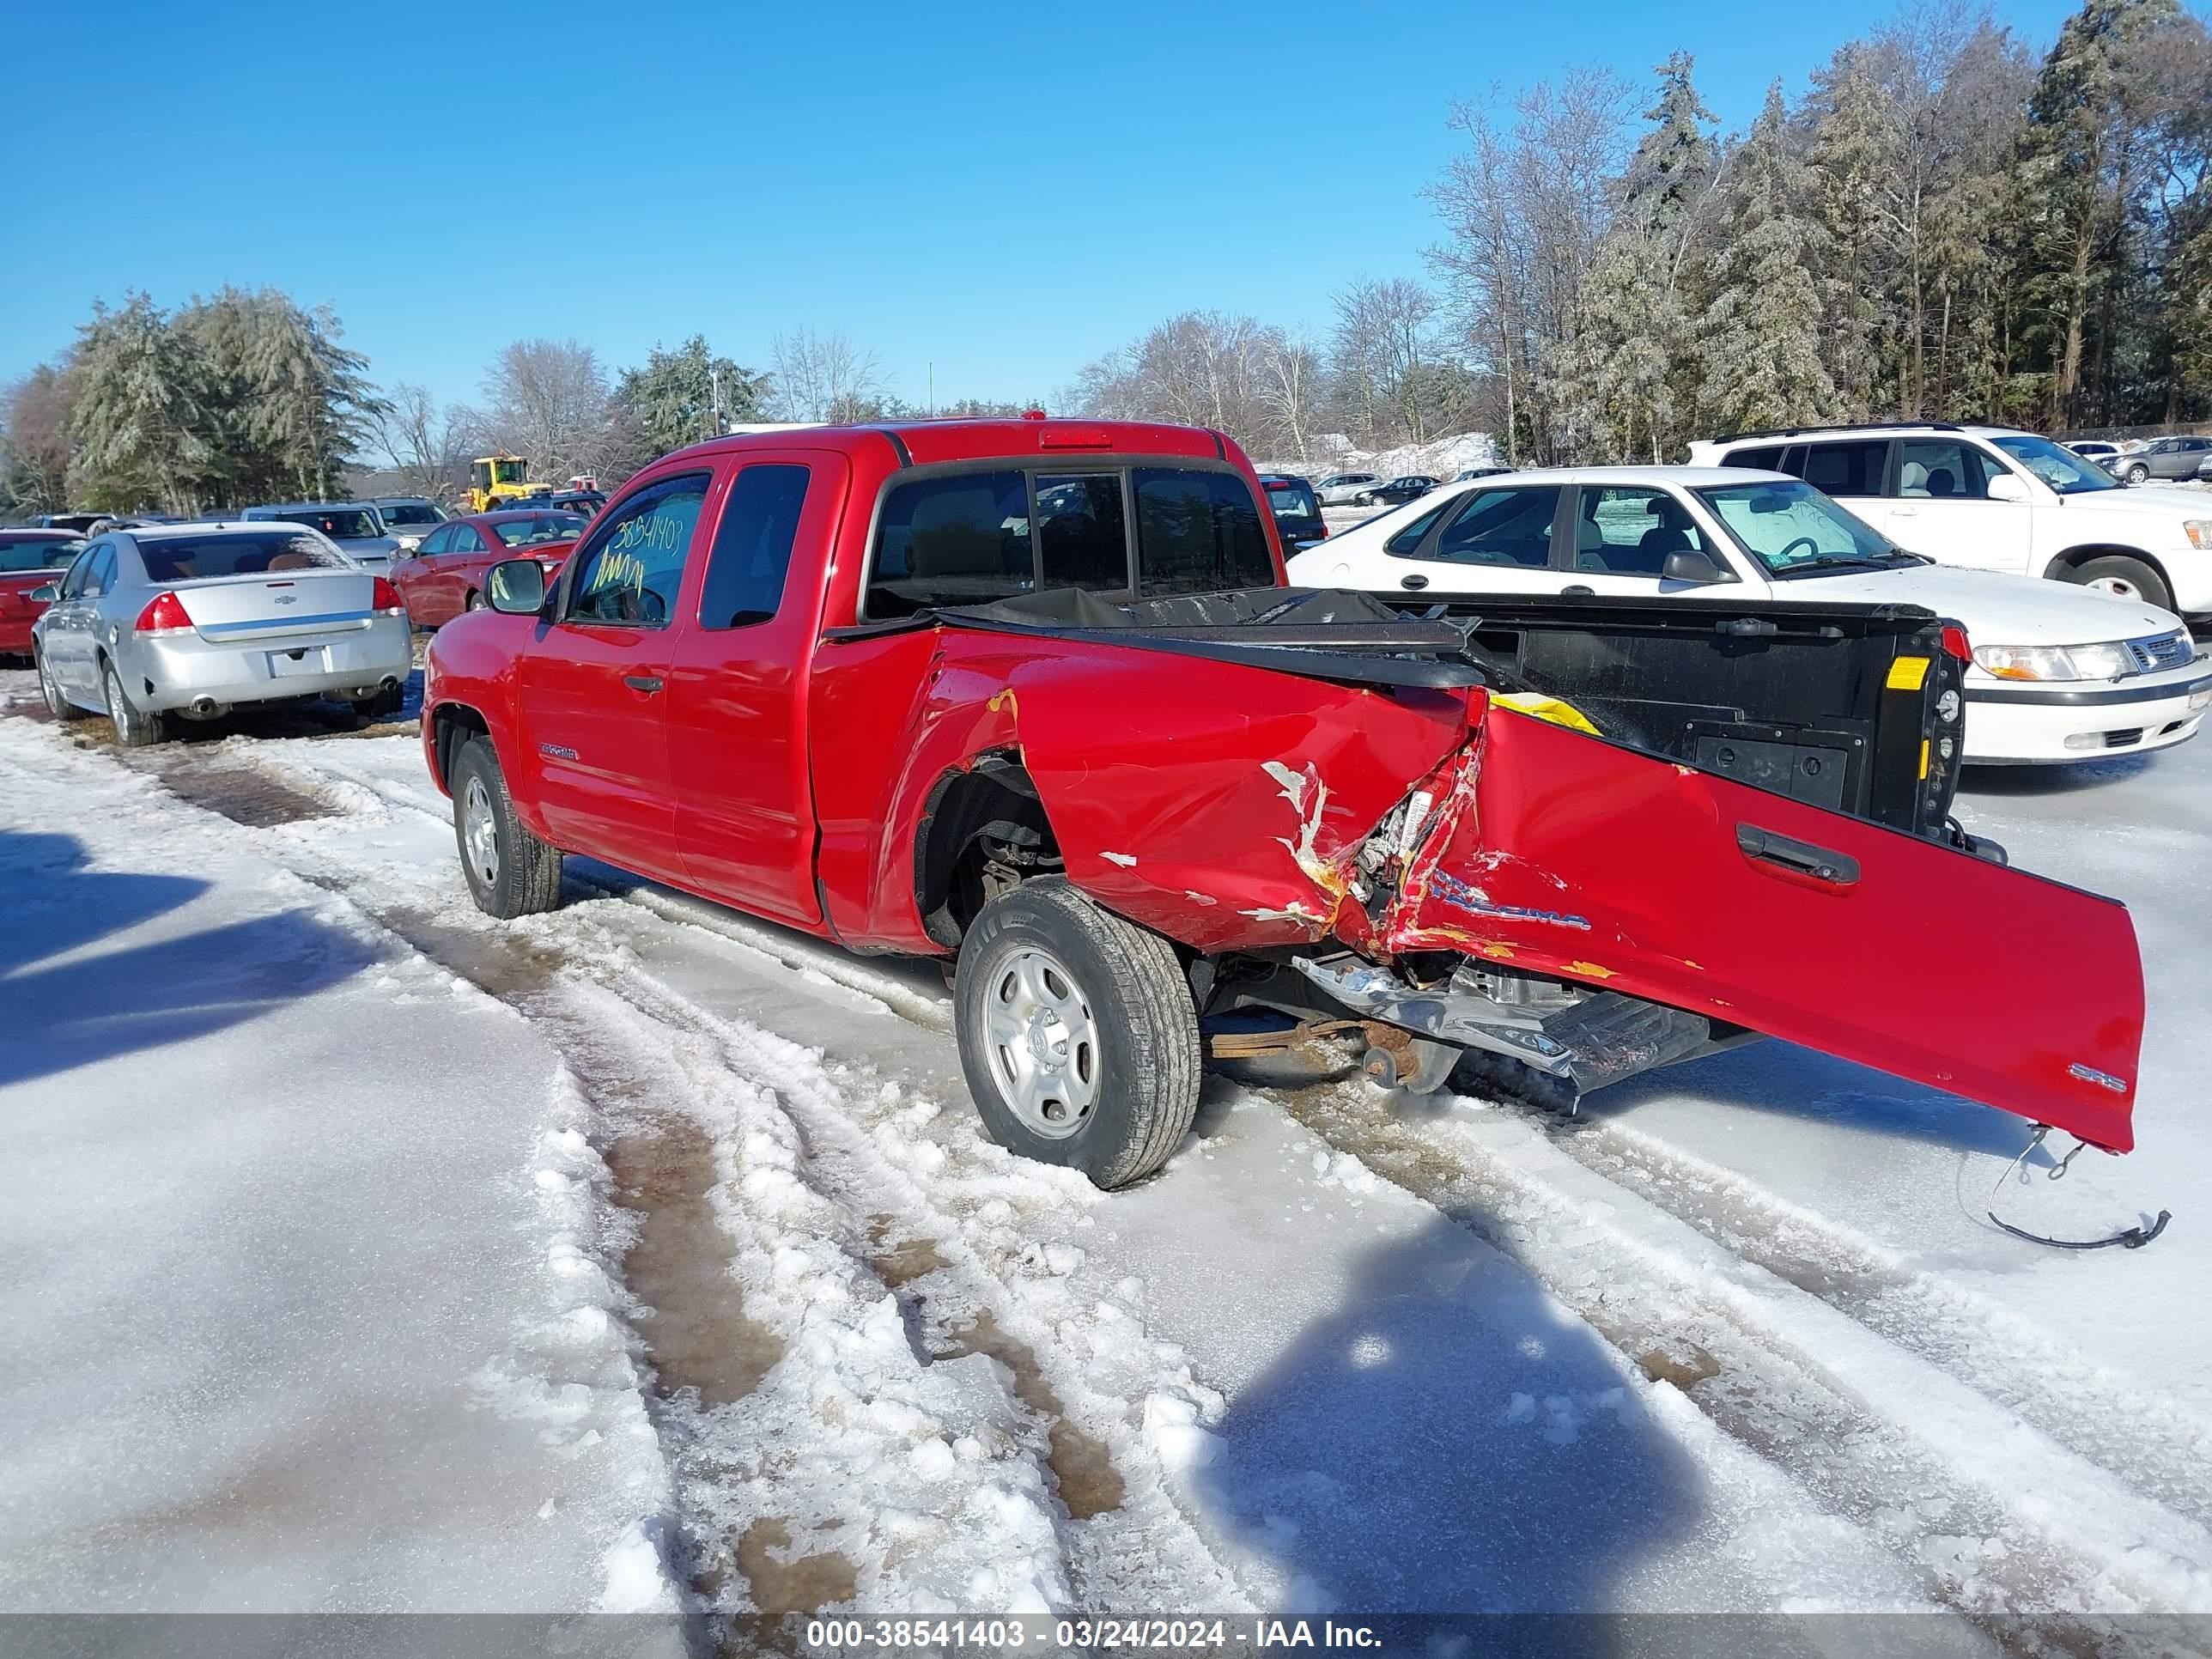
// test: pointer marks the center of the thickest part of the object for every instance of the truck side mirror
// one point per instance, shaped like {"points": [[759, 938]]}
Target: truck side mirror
{"points": [[516, 586], [2006, 487], [45, 593], [1687, 564]]}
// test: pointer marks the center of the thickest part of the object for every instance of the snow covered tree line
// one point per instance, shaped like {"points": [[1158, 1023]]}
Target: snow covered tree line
{"points": [[1943, 226]]}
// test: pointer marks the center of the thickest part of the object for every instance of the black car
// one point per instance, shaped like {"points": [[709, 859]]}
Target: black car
{"points": [[1296, 508], [1398, 489]]}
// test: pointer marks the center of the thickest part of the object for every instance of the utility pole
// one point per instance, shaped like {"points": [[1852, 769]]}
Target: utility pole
{"points": [[714, 399], [932, 387]]}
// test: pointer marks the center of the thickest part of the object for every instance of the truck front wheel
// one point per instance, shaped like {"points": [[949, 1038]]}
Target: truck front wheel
{"points": [[1077, 1034], [509, 871]]}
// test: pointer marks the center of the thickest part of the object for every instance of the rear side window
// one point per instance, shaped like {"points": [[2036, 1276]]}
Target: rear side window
{"points": [[1407, 541], [958, 539], [752, 547], [1198, 533], [45, 553], [235, 553], [1083, 537], [1502, 527], [1845, 469], [630, 569], [1765, 458]]}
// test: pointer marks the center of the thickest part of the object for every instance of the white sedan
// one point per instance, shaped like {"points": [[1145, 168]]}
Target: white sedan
{"points": [[2059, 672]]}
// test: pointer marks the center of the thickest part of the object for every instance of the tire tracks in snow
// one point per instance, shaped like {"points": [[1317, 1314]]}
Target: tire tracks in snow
{"points": [[1063, 1502], [1997, 1520], [1862, 1384]]}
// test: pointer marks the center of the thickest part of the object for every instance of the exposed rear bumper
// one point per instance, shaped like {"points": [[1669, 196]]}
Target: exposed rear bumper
{"points": [[181, 671]]}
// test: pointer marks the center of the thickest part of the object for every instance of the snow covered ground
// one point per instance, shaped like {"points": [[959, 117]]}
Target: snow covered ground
{"points": [[361, 1253]]}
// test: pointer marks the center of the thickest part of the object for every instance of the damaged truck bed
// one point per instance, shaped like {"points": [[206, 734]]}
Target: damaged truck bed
{"points": [[1493, 879], [1581, 838]]}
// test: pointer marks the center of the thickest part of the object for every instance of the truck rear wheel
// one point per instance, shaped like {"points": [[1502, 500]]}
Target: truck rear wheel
{"points": [[1078, 1033], [509, 871]]}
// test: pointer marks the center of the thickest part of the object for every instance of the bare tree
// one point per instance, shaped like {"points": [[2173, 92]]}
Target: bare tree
{"points": [[1291, 389], [34, 439], [549, 401], [824, 377], [1526, 204], [426, 445], [1381, 345]]}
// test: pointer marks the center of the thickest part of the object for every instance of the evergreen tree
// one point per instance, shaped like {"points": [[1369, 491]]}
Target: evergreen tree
{"points": [[141, 423], [678, 396], [1761, 333]]}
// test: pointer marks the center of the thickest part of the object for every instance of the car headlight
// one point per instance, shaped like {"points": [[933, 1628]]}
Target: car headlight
{"points": [[2054, 662], [2199, 531]]}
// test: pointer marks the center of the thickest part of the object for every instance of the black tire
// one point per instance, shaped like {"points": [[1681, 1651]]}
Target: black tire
{"points": [[2116, 568], [522, 876], [58, 702], [1134, 1005], [135, 727], [474, 602], [2137, 474]]}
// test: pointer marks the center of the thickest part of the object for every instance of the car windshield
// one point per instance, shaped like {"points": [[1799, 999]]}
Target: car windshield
{"points": [[1294, 499], [234, 553], [36, 553], [537, 528], [340, 523], [2062, 469], [1794, 530], [411, 512]]}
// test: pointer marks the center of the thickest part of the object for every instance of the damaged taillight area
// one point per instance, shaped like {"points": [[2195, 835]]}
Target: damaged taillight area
{"points": [[1546, 856]]}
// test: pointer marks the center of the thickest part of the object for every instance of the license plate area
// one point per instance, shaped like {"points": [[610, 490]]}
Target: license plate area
{"points": [[301, 659]]}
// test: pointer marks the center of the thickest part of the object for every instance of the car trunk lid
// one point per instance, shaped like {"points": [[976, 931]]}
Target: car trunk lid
{"points": [[296, 603]]}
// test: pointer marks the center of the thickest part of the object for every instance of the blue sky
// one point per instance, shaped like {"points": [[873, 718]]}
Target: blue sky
{"points": [[1005, 192]]}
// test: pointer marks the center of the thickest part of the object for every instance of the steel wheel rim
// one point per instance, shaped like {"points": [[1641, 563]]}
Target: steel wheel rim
{"points": [[480, 832], [120, 714], [1044, 1043], [2118, 587]]}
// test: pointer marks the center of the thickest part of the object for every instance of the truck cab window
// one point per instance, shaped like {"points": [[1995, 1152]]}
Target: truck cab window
{"points": [[752, 547], [1083, 537], [956, 538], [1198, 531], [630, 570]]}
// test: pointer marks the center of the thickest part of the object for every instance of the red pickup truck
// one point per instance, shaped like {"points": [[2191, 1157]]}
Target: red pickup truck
{"points": [[1029, 694]]}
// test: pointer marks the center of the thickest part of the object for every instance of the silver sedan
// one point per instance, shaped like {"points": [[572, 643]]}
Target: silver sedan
{"points": [[191, 621]]}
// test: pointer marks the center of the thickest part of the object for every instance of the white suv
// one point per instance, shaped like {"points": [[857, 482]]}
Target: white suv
{"points": [[1989, 498]]}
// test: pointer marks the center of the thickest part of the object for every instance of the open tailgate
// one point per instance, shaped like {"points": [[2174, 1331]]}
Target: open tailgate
{"points": [[1588, 860]]}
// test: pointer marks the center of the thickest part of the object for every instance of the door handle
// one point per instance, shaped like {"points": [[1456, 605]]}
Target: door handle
{"points": [[1799, 858], [648, 683], [1413, 581], [1904, 511], [1578, 591]]}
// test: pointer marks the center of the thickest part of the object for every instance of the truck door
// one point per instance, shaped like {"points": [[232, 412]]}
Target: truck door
{"points": [[593, 683], [736, 697]]}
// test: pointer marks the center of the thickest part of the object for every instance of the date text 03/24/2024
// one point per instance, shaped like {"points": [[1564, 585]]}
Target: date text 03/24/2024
{"points": [[1016, 1633]]}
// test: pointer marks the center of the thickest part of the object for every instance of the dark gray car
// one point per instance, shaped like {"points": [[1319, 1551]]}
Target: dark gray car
{"points": [[2162, 457]]}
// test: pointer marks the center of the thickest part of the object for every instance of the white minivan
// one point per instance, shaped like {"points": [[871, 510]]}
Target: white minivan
{"points": [[2057, 673], [1989, 498]]}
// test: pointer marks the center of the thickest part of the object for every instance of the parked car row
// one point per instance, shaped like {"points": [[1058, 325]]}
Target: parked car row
{"points": [[2056, 672]]}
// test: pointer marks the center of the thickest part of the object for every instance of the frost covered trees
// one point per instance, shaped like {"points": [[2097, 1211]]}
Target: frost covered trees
{"points": [[1758, 340]]}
